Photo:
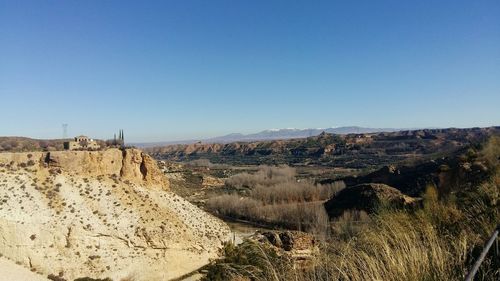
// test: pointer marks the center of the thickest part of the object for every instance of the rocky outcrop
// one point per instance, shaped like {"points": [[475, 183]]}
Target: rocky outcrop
{"points": [[100, 214], [128, 164], [367, 197], [290, 240], [138, 165], [301, 247]]}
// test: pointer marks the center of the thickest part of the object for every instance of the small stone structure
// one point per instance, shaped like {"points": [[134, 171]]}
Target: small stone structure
{"points": [[81, 143]]}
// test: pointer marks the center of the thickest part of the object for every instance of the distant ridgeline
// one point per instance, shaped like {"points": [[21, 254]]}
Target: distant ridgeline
{"points": [[23, 144], [350, 151]]}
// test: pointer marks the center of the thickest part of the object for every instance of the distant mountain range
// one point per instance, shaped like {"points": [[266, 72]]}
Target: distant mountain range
{"points": [[355, 151], [277, 134]]}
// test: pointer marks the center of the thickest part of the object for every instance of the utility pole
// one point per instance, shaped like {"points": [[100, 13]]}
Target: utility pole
{"points": [[65, 131]]}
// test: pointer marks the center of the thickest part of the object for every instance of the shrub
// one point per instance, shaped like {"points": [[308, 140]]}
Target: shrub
{"points": [[491, 152], [248, 261]]}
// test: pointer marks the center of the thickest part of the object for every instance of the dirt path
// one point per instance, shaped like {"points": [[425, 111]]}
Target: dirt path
{"points": [[9, 271], [239, 231]]}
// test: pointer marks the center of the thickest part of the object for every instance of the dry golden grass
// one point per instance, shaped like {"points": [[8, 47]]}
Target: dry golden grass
{"points": [[395, 245], [398, 247]]}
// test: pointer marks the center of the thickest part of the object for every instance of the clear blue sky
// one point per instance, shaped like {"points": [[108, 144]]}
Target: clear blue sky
{"points": [[169, 70]]}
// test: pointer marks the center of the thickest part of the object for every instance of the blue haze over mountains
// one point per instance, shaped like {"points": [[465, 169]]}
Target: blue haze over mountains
{"points": [[277, 134]]}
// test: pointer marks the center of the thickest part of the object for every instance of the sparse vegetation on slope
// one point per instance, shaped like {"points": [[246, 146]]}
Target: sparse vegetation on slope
{"points": [[100, 214]]}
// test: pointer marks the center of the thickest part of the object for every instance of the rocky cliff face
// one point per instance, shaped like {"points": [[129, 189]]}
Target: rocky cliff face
{"points": [[129, 164], [100, 214]]}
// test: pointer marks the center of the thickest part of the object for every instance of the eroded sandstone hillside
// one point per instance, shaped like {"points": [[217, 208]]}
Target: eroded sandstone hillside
{"points": [[100, 214], [347, 151]]}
